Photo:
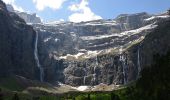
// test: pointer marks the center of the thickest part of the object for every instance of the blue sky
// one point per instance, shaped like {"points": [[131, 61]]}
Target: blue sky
{"points": [[84, 10]]}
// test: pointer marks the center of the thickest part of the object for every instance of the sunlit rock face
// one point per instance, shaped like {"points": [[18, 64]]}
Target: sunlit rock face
{"points": [[28, 18], [92, 37], [94, 52]]}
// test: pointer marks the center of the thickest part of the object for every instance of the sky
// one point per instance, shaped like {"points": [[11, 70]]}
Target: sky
{"points": [[86, 10]]}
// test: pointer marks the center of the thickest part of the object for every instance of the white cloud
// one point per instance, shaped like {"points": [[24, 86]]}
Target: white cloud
{"points": [[82, 12], [61, 20], [12, 2], [18, 8], [54, 4], [9, 1]]}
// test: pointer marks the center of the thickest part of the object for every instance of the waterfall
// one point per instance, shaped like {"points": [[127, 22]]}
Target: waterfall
{"points": [[84, 78], [122, 59], [94, 74], [97, 61], [94, 77], [123, 62], [37, 59], [94, 69], [121, 27], [111, 61], [138, 61], [125, 24]]}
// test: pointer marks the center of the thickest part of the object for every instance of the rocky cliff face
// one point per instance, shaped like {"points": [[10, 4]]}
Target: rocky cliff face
{"points": [[94, 52], [110, 51], [10, 8], [29, 18], [157, 42], [16, 45], [101, 35]]}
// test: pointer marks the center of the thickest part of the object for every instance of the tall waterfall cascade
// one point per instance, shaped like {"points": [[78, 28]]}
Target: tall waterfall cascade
{"points": [[37, 59], [124, 67], [122, 59], [84, 78], [138, 61], [94, 69], [125, 25]]}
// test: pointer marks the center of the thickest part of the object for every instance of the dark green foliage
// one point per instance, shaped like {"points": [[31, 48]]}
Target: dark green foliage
{"points": [[15, 97], [74, 98], [10, 83], [88, 98], [154, 83], [114, 96], [1, 95], [155, 80], [36, 98]]}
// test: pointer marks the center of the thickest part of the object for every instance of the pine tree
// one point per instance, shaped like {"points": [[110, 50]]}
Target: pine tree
{"points": [[88, 97]]}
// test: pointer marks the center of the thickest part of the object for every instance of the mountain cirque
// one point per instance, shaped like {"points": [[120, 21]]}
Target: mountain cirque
{"points": [[93, 53]]}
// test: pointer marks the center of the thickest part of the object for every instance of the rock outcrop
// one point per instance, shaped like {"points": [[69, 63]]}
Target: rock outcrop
{"points": [[112, 51], [29, 18], [94, 52], [16, 45], [157, 42]]}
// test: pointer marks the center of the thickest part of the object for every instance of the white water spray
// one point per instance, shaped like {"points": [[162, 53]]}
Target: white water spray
{"points": [[97, 63], [122, 59], [37, 59], [111, 61], [121, 27], [84, 78], [125, 24], [94, 70], [94, 77]]}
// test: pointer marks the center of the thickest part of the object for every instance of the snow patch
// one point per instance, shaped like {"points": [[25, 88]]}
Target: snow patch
{"points": [[99, 36], [95, 24], [90, 54], [153, 17], [81, 88], [76, 56], [131, 32], [56, 40], [136, 31], [54, 22], [47, 39]]}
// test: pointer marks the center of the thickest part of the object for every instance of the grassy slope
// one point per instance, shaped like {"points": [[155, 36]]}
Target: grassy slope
{"points": [[10, 86]]}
